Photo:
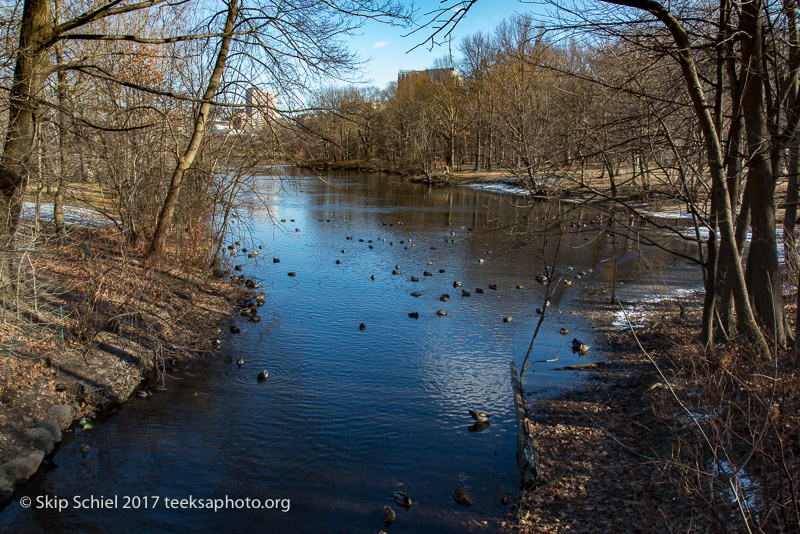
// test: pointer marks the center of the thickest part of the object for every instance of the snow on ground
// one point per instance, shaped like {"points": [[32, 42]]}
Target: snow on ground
{"points": [[500, 187], [72, 214], [668, 214], [746, 486], [635, 315]]}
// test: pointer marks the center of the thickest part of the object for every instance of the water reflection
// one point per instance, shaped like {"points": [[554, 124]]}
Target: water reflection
{"points": [[348, 416]]}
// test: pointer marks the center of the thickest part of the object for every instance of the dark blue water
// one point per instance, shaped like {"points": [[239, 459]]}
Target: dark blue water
{"points": [[347, 416]]}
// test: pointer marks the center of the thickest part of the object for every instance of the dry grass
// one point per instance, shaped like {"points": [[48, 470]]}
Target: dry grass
{"points": [[96, 322]]}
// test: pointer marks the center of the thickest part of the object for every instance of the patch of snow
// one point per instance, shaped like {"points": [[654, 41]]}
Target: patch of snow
{"points": [[668, 214], [634, 316], [746, 487], [500, 187], [72, 214]]}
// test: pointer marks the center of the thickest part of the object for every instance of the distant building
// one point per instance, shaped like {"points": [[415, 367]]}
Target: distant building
{"points": [[433, 75], [260, 106]]}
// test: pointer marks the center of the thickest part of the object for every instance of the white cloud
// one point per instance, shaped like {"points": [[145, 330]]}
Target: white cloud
{"points": [[380, 44]]}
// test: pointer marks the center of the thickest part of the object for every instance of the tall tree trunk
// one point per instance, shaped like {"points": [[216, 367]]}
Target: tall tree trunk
{"points": [[159, 240], [763, 272], [26, 89], [61, 90]]}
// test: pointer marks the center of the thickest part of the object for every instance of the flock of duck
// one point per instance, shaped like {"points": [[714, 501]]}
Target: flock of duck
{"points": [[250, 302]]}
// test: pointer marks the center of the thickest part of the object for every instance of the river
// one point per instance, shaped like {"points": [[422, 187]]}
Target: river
{"points": [[348, 415]]}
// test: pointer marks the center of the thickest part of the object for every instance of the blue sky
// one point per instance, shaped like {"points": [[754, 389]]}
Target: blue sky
{"points": [[386, 51]]}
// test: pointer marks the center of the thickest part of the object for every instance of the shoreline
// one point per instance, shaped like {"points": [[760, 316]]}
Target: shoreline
{"points": [[78, 364], [592, 441]]}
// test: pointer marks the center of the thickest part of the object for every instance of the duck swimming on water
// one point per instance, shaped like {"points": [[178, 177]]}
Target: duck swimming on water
{"points": [[479, 416]]}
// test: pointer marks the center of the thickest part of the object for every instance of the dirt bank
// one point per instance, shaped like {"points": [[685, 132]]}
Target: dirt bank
{"points": [[92, 323]]}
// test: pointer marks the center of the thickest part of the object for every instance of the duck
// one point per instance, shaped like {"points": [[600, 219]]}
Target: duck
{"points": [[462, 497], [465, 293], [441, 312], [416, 294], [456, 284], [362, 326], [479, 291], [388, 515], [445, 297], [402, 499], [493, 287], [235, 329], [240, 362], [479, 416], [414, 279], [567, 283], [263, 375], [564, 331], [427, 273], [542, 278], [578, 346], [507, 319], [414, 315], [276, 260]]}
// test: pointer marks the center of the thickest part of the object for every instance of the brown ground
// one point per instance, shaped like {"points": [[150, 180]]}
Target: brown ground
{"points": [[621, 455], [123, 321], [594, 445]]}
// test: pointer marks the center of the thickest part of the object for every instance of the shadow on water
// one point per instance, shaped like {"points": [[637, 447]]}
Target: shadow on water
{"points": [[347, 416]]}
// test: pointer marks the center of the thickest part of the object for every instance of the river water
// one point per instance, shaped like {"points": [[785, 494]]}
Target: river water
{"points": [[347, 416]]}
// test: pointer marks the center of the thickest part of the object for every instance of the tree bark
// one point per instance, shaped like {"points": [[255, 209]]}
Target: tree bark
{"points": [[185, 161], [763, 272], [63, 151], [26, 89]]}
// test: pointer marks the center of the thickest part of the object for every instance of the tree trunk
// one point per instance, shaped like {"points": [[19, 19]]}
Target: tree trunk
{"points": [[61, 89], [26, 89], [159, 240], [763, 272]]}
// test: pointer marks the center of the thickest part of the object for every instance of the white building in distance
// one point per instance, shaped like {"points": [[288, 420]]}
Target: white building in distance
{"points": [[260, 106]]}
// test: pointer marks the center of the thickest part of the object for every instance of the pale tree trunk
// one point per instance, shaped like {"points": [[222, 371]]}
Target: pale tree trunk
{"points": [[159, 240], [26, 88]]}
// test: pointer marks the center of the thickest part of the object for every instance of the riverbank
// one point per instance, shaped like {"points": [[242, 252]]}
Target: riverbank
{"points": [[634, 449], [92, 326]]}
